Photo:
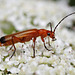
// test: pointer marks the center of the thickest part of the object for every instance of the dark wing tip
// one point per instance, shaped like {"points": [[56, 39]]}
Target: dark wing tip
{"points": [[2, 40]]}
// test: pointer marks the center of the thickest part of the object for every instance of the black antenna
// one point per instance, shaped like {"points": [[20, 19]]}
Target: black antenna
{"points": [[50, 25], [62, 20]]}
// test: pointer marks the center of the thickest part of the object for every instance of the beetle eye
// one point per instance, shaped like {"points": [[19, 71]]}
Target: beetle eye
{"points": [[48, 34]]}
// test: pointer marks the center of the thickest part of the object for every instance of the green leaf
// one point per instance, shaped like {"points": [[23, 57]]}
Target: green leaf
{"points": [[7, 27], [32, 21], [72, 2]]}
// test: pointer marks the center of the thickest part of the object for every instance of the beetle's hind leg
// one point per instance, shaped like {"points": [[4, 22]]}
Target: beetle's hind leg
{"points": [[10, 49], [13, 52], [13, 38]]}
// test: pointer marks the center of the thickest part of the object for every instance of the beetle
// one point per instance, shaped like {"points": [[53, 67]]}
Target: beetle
{"points": [[27, 35]]}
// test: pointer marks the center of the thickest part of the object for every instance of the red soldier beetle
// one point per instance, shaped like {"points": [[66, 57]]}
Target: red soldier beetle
{"points": [[27, 35]]}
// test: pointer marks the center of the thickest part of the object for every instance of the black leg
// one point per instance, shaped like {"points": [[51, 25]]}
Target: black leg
{"points": [[49, 41], [12, 54], [10, 48], [34, 47], [13, 46], [45, 45]]}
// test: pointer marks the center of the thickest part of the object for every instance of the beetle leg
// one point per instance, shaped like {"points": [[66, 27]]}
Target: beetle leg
{"points": [[49, 41], [13, 38], [11, 47], [45, 45], [34, 47]]}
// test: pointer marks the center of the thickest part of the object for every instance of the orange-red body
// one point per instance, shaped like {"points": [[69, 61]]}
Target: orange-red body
{"points": [[25, 36], [22, 37]]}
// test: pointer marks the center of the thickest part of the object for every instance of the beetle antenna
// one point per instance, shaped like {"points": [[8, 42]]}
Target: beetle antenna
{"points": [[50, 25], [63, 19]]}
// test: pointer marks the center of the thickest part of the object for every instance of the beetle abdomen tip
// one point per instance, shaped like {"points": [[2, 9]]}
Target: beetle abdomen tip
{"points": [[2, 40]]}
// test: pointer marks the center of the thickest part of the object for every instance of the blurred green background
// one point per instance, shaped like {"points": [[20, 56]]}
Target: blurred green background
{"points": [[7, 27]]}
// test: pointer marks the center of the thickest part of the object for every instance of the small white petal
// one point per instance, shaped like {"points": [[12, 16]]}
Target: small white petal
{"points": [[14, 70]]}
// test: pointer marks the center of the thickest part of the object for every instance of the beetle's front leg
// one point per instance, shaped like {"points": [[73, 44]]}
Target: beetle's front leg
{"points": [[45, 45], [49, 41]]}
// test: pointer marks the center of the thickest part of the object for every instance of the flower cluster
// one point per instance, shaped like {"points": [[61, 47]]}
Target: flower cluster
{"points": [[36, 14]]}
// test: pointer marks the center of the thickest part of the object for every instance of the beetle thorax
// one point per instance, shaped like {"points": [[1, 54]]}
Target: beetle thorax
{"points": [[42, 32]]}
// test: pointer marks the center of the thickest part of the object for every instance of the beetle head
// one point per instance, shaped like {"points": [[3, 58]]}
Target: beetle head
{"points": [[51, 33]]}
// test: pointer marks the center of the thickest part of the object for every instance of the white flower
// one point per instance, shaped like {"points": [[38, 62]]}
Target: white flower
{"points": [[36, 14], [71, 71], [1, 67], [4, 53], [0, 58], [1, 73], [13, 62], [14, 70], [43, 70], [60, 70]]}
